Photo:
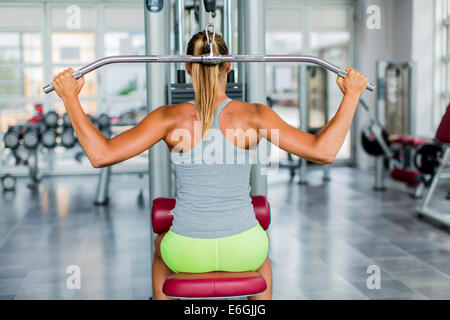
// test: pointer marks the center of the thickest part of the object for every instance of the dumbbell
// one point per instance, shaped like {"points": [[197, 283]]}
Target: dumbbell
{"points": [[103, 121], [51, 119], [8, 182], [68, 138], [12, 137], [66, 121], [31, 137], [48, 138]]}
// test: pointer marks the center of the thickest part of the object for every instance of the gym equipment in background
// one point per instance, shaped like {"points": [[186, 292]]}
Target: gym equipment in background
{"points": [[49, 138], [67, 137], [211, 284], [395, 107], [12, 137], [435, 158], [183, 92], [8, 182], [31, 137], [154, 5], [66, 121], [50, 132], [397, 153], [411, 160], [51, 119]]}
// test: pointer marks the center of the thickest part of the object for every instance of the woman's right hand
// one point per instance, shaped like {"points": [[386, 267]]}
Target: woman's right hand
{"points": [[354, 83]]}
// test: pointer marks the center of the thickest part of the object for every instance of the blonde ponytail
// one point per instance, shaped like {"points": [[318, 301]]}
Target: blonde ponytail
{"points": [[205, 79]]}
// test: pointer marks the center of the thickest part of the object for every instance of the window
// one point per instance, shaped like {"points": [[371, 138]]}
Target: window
{"points": [[21, 70], [73, 47], [20, 55], [443, 48], [129, 79]]}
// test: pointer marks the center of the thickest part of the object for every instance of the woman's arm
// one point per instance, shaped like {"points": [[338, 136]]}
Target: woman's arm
{"points": [[101, 151], [323, 146]]}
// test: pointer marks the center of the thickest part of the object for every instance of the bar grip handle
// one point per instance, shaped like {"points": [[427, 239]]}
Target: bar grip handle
{"points": [[49, 87], [371, 87]]}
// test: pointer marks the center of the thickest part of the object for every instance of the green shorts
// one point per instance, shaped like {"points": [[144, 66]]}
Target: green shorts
{"points": [[241, 252]]}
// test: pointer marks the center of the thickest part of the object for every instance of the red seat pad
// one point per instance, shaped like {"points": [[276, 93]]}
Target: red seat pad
{"points": [[214, 284], [407, 140]]}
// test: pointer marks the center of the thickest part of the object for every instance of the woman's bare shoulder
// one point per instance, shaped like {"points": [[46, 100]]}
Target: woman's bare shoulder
{"points": [[251, 112], [244, 108], [180, 115]]}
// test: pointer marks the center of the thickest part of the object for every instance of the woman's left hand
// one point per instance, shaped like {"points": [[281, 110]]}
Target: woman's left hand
{"points": [[66, 86]]}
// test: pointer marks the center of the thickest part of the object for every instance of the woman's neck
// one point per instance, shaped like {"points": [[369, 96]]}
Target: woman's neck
{"points": [[221, 91]]}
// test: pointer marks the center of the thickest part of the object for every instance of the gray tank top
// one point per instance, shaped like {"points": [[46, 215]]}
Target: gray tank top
{"points": [[213, 187]]}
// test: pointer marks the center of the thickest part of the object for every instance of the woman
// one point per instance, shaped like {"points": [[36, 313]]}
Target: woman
{"points": [[214, 226]]}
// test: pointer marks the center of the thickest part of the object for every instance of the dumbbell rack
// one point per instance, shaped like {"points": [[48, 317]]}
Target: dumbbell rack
{"points": [[45, 139]]}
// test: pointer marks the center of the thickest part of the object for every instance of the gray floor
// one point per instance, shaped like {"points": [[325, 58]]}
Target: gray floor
{"points": [[323, 238]]}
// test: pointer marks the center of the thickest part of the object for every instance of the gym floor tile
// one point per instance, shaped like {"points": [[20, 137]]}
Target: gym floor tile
{"points": [[401, 264], [337, 294], [10, 286], [388, 289], [9, 257], [423, 278], [288, 291], [442, 266], [13, 272], [322, 282], [435, 292], [415, 245], [434, 256], [380, 250], [45, 291]]}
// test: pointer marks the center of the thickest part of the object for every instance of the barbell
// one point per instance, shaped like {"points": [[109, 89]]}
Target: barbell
{"points": [[205, 59]]}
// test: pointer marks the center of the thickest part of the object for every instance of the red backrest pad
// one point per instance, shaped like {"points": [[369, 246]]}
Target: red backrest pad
{"points": [[162, 217], [443, 131]]}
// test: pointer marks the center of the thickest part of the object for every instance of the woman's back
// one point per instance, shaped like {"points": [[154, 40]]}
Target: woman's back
{"points": [[212, 177]]}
